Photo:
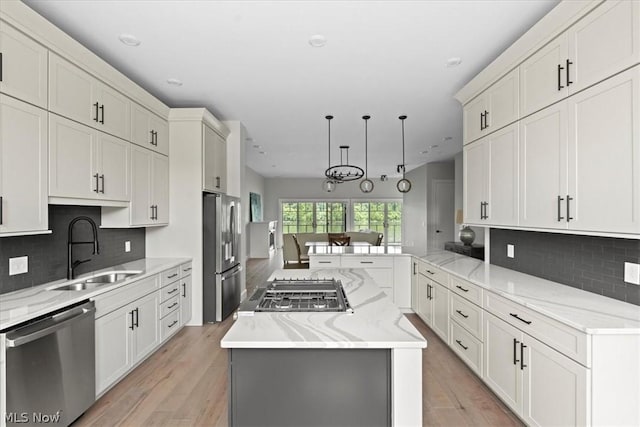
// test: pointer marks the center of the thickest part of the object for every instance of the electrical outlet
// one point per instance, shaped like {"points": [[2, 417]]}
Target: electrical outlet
{"points": [[632, 273], [18, 265], [510, 251], [127, 246]]}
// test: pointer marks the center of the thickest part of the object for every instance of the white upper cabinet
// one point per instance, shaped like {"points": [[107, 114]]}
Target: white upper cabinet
{"points": [[149, 130], [85, 163], [543, 174], [76, 94], [604, 156], [23, 167], [149, 189], [603, 43], [493, 109], [214, 168], [543, 76], [580, 160], [490, 189], [24, 67]]}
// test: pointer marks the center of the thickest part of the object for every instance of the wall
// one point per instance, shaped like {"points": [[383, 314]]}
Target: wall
{"points": [[414, 204], [48, 252], [459, 199], [437, 171], [254, 183], [311, 189], [594, 264]]}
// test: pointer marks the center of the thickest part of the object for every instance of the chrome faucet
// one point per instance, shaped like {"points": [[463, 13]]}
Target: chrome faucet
{"points": [[71, 265]]}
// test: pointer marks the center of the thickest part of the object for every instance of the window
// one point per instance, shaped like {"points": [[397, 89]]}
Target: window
{"points": [[383, 217], [314, 217]]}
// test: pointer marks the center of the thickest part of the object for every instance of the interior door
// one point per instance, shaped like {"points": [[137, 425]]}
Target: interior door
{"points": [[441, 229]]}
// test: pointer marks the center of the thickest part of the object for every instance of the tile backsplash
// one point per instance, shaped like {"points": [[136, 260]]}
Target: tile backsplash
{"points": [[48, 252], [594, 264]]}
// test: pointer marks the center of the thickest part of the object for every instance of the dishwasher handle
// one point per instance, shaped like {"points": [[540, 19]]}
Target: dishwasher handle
{"points": [[48, 325]]}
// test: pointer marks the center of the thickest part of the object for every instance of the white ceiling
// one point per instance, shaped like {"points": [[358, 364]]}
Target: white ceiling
{"points": [[251, 61]]}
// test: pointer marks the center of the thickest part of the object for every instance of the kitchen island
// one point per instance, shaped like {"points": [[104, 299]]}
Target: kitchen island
{"points": [[375, 326]]}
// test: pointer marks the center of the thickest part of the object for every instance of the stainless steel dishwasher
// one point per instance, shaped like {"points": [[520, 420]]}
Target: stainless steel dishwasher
{"points": [[50, 367]]}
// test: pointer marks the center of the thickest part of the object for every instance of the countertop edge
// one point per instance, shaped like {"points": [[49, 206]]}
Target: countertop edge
{"points": [[79, 296], [528, 304]]}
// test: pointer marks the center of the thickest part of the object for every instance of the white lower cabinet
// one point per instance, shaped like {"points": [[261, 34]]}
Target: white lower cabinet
{"points": [[123, 338], [433, 305], [542, 386]]}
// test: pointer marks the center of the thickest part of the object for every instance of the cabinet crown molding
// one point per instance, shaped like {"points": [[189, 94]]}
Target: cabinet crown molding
{"points": [[565, 14], [199, 115]]}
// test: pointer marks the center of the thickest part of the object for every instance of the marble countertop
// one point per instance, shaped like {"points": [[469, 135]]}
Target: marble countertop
{"points": [[582, 310], [355, 250], [26, 304], [375, 323]]}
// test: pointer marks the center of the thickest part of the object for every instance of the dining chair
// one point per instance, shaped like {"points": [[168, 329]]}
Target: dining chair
{"points": [[339, 240], [302, 258]]}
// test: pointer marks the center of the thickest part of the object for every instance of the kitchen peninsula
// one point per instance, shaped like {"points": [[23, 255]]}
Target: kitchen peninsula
{"points": [[302, 341]]}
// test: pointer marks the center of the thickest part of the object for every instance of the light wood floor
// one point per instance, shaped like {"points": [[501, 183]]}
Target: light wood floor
{"points": [[185, 382]]}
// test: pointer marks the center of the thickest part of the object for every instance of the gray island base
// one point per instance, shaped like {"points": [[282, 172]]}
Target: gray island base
{"points": [[327, 369], [310, 387]]}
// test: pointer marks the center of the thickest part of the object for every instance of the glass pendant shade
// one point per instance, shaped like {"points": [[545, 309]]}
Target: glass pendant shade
{"points": [[366, 186], [328, 185], [404, 185]]}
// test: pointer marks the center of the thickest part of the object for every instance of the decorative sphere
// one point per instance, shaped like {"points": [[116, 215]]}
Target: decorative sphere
{"points": [[366, 186], [404, 185], [328, 185]]}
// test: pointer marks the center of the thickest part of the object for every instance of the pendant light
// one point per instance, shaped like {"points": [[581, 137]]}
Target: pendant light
{"points": [[404, 185], [366, 185], [343, 171], [328, 185]]}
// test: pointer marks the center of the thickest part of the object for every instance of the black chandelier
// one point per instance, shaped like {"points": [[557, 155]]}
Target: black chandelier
{"points": [[404, 185], [343, 171]]}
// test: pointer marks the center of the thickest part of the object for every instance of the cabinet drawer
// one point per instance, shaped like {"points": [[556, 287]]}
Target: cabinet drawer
{"points": [[185, 269], [466, 290], [169, 276], [324, 261], [467, 347], [117, 298], [434, 273], [366, 262], [467, 315], [169, 325], [169, 306], [556, 335], [170, 291]]}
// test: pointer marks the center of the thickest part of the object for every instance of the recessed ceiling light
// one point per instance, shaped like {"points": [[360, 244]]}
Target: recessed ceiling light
{"points": [[257, 146], [248, 139], [129, 39], [263, 152], [424, 152], [433, 146], [317, 40], [174, 82], [453, 62], [447, 138], [273, 166]]}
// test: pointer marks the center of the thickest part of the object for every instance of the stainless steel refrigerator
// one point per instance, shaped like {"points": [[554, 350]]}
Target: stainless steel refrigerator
{"points": [[221, 256]]}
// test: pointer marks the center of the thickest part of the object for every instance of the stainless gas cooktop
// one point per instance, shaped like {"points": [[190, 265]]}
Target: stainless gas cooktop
{"points": [[295, 295]]}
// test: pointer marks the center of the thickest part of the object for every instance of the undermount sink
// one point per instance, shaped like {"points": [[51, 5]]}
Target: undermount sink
{"points": [[96, 281]]}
